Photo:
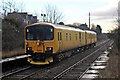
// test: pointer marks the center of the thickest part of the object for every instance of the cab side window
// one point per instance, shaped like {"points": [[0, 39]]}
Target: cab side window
{"points": [[80, 36], [70, 36], [59, 36], [66, 36]]}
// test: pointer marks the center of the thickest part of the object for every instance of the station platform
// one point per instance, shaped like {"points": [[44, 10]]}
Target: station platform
{"points": [[13, 58]]}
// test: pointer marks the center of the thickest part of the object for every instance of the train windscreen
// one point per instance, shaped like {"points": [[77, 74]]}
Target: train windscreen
{"points": [[39, 33]]}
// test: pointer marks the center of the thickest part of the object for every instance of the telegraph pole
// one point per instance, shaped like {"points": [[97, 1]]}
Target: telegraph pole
{"points": [[89, 20], [118, 27], [119, 13]]}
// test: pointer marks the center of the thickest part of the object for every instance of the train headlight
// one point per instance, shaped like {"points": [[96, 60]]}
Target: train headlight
{"points": [[49, 49], [26, 43], [29, 48]]}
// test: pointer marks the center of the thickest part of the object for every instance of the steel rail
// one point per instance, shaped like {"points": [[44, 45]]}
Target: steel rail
{"points": [[91, 65], [68, 69], [17, 71]]}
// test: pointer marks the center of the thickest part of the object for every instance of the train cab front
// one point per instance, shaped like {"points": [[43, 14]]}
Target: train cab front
{"points": [[38, 44]]}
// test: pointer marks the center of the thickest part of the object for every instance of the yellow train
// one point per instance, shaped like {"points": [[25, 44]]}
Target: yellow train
{"points": [[47, 42]]}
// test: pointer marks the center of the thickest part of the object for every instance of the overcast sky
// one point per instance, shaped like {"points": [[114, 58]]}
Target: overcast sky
{"points": [[103, 12]]}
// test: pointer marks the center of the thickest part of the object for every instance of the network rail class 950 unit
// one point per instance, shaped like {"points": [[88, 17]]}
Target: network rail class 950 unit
{"points": [[47, 42]]}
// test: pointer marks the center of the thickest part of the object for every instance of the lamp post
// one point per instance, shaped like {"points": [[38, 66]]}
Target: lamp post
{"points": [[89, 20], [43, 15], [119, 13]]}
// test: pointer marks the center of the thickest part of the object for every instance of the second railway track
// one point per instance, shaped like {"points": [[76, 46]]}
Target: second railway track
{"points": [[73, 72], [76, 71]]}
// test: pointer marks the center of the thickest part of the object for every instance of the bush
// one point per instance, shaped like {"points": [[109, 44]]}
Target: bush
{"points": [[12, 34], [115, 36]]}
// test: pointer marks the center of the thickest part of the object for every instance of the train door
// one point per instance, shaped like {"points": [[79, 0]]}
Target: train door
{"points": [[80, 38], [85, 38], [60, 41], [91, 37]]}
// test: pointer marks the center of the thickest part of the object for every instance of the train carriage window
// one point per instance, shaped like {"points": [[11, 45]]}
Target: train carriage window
{"points": [[66, 36], [80, 35], [76, 36], [70, 36], [58, 36], [90, 35]]}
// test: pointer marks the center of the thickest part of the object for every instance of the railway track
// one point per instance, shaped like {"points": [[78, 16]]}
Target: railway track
{"points": [[76, 71], [24, 73], [15, 72], [80, 67]]}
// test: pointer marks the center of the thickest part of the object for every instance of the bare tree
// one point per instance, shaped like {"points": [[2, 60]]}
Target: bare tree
{"points": [[7, 6], [11, 6], [93, 27], [21, 6], [52, 14]]}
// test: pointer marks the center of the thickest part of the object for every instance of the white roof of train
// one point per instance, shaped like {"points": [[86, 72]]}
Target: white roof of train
{"points": [[67, 28], [90, 31], [59, 26], [64, 27]]}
